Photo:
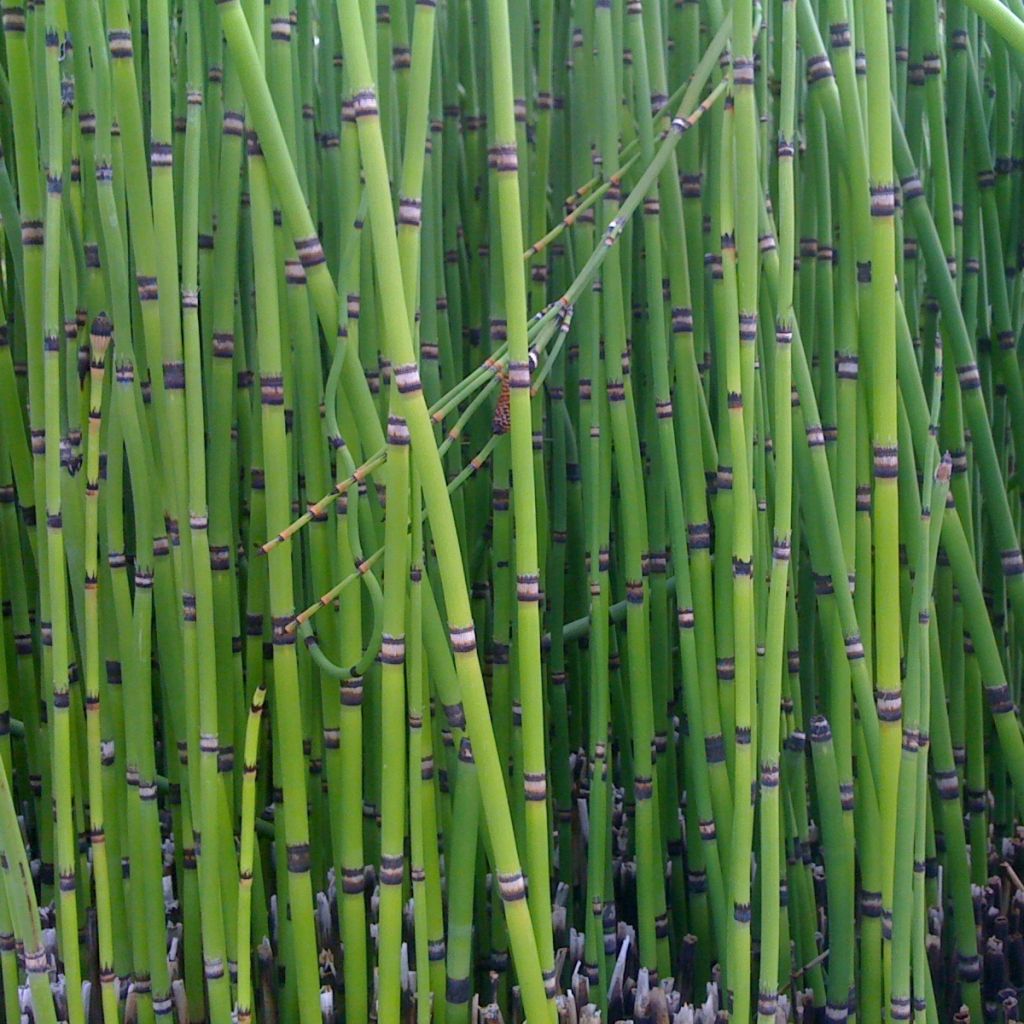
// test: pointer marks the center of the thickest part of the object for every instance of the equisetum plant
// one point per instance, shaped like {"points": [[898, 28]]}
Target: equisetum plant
{"points": [[511, 511]]}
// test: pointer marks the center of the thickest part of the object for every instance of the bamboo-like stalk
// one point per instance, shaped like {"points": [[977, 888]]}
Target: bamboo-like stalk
{"points": [[505, 163], [247, 850], [99, 344], [296, 827], [782, 446], [56, 633], [21, 898]]}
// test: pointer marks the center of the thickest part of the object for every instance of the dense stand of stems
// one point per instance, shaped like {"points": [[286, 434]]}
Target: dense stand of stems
{"points": [[507, 510]]}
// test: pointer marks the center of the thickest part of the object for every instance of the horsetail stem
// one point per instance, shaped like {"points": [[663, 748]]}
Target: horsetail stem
{"points": [[508, 511]]}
